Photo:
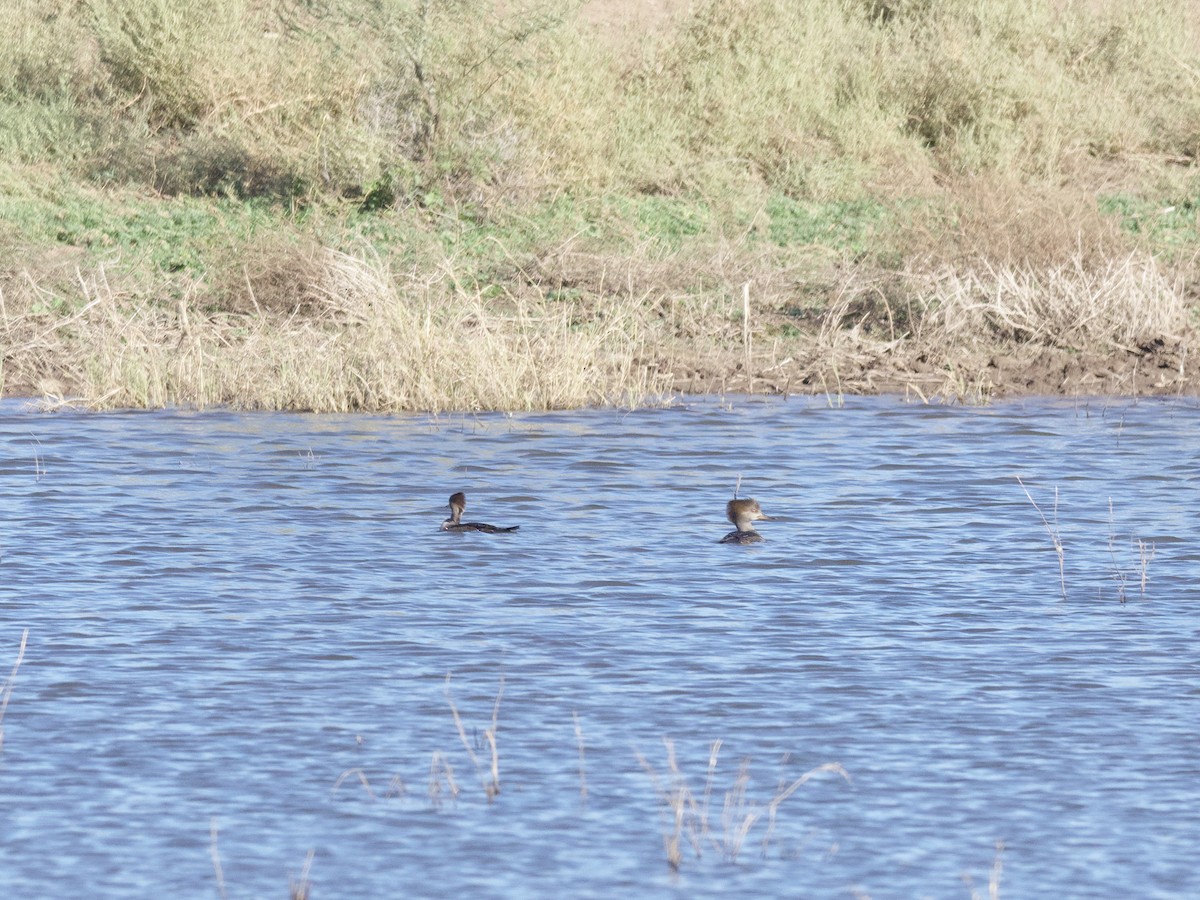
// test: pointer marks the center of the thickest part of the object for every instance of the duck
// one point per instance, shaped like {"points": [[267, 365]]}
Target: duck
{"points": [[458, 502], [743, 513]]}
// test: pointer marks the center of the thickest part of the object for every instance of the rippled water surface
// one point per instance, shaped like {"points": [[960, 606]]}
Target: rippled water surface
{"points": [[241, 627]]}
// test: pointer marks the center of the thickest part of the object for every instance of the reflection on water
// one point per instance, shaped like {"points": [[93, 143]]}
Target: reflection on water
{"points": [[230, 612]]}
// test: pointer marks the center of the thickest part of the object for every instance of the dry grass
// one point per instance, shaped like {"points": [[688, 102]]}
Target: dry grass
{"points": [[318, 329], [353, 336], [996, 217], [687, 819], [1122, 304], [987, 134]]}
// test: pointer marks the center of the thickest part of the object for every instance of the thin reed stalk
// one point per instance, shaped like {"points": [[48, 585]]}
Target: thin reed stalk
{"points": [[1145, 557], [10, 682], [1052, 531], [993, 890], [491, 785], [300, 888], [440, 770], [215, 855], [359, 774], [583, 789]]}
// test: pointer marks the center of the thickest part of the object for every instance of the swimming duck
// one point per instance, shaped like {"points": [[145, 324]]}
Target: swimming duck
{"points": [[458, 502], [743, 513]]}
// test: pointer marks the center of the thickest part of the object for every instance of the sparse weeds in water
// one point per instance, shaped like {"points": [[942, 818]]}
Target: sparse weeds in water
{"points": [[993, 876], [1052, 531], [686, 820], [7, 688], [1145, 555], [442, 784], [491, 785], [299, 888]]}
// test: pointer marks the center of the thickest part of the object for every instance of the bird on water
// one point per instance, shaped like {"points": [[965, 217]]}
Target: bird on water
{"points": [[458, 503], [743, 514]]}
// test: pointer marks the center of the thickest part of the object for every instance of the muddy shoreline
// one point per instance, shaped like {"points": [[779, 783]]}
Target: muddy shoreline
{"points": [[977, 377]]}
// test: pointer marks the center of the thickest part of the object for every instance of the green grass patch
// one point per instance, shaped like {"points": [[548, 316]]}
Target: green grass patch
{"points": [[845, 226], [141, 231], [1168, 226]]}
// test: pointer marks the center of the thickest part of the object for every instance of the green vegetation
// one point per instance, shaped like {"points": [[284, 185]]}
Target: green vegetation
{"points": [[520, 184]]}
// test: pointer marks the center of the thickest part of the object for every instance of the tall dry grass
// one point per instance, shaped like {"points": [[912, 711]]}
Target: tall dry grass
{"points": [[1120, 305], [369, 338]]}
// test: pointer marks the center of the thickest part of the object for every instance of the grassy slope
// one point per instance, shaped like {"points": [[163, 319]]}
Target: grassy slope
{"points": [[442, 204]]}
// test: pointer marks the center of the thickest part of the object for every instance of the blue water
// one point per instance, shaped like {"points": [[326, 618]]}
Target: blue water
{"points": [[228, 613]]}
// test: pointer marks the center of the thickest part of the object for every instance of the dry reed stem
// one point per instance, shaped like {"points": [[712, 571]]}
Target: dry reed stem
{"points": [[491, 787], [215, 854], [993, 876], [10, 682], [583, 789], [301, 887], [736, 819], [1145, 556], [1118, 574], [675, 801], [714, 751], [773, 806], [439, 769], [1053, 532], [396, 787], [362, 779]]}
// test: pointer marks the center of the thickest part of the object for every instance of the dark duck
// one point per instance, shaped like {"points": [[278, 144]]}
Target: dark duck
{"points": [[458, 502]]}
